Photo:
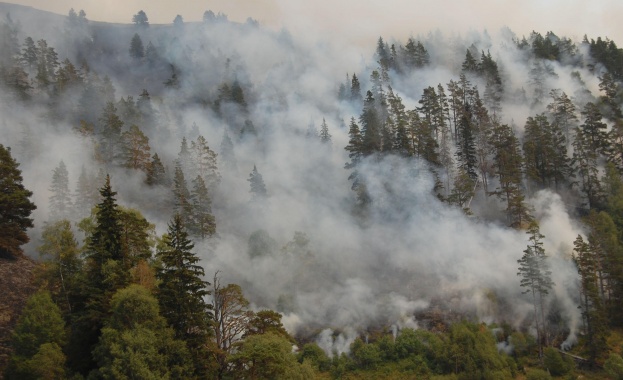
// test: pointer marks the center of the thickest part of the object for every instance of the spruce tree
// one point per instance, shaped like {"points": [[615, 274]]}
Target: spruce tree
{"points": [[535, 273], [203, 223], [181, 290], [105, 272], [15, 207], [325, 136], [258, 188], [156, 174]]}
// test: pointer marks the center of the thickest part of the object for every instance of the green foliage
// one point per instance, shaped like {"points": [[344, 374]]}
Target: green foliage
{"points": [[136, 343], [37, 338], [268, 356], [180, 283], [63, 267], [366, 356], [15, 207], [614, 366], [555, 364], [537, 374], [40, 323], [313, 354]]}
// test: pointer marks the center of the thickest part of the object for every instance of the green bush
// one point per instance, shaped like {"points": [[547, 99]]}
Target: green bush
{"points": [[537, 374], [554, 362], [614, 366]]}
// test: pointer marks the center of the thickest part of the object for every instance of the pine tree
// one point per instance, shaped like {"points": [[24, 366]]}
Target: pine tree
{"points": [[466, 147], [355, 153], [536, 278], [258, 188], [135, 151], [181, 290], [594, 129], [205, 161], [137, 50], [202, 223], [60, 200], [545, 153], [156, 174], [355, 89], [585, 164], [15, 207], [110, 134], [181, 196], [507, 164], [591, 304], [325, 136]]}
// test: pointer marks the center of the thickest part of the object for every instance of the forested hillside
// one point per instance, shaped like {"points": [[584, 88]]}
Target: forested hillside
{"points": [[221, 200]]}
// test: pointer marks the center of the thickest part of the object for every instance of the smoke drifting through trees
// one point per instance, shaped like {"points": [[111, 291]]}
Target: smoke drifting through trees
{"points": [[318, 264]]}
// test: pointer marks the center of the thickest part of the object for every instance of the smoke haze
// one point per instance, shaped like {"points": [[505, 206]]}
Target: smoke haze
{"points": [[320, 267]]}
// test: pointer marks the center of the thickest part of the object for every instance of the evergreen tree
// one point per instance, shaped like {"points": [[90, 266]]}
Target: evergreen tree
{"points": [[593, 129], [609, 86], [466, 147], [156, 174], [355, 89], [60, 200], [202, 222], [355, 153], [181, 196], [181, 290], [140, 19], [137, 238], [110, 134], [258, 188], [29, 55], [371, 141], [135, 151], [105, 272], [536, 278], [15, 207], [507, 165], [205, 162], [137, 50], [591, 304], [545, 153], [325, 136], [585, 163], [470, 64]]}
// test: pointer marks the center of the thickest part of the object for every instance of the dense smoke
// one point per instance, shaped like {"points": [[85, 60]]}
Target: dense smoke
{"points": [[318, 264]]}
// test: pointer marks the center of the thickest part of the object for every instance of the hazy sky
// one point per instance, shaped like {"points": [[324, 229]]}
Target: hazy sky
{"points": [[365, 19]]}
